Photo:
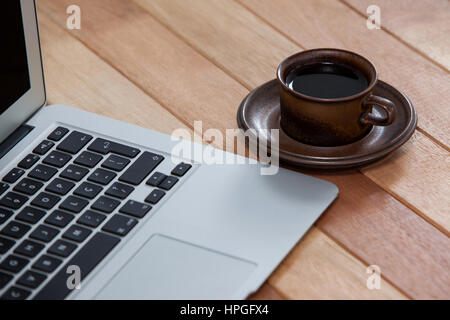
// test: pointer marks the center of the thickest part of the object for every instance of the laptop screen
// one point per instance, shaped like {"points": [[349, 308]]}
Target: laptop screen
{"points": [[14, 73]]}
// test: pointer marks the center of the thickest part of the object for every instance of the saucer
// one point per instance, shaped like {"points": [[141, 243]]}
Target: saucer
{"points": [[260, 111]]}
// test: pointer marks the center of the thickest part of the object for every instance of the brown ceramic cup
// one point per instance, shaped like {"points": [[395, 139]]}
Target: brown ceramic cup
{"points": [[331, 122]]}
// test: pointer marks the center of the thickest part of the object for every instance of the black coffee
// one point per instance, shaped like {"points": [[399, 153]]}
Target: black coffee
{"points": [[327, 81]]}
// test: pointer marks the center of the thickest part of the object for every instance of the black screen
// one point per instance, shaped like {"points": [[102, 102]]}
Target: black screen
{"points": [[14, 75]]}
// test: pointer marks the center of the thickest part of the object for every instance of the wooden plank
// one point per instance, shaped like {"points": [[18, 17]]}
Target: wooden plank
{"points": [[405, 188], [324, 23], [425, 190], [239, 29], [347, 281], [77, 77], [117, 27], [180, 77], [208, 32], [411, 253], [144, 19], [423, 24]]}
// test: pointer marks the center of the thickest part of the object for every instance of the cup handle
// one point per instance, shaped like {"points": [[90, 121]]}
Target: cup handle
{"points": [[388, 107]]}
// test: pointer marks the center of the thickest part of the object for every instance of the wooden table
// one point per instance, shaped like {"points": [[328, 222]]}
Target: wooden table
{"points": [[162, 64]]}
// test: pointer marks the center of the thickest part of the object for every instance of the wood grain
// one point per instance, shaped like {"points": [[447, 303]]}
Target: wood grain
{"points": [[110, 26], [411, 253], [423, 24], [346, 281], [76, 76], [425, 190], [324, 23], [127, 38], [237, 31], [218, 36]]}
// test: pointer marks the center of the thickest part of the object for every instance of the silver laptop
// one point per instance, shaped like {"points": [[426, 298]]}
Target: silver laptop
{"points": [[93, 208]]}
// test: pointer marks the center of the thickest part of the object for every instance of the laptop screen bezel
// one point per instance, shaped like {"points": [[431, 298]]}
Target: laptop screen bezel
{"points": [[35, 97]]}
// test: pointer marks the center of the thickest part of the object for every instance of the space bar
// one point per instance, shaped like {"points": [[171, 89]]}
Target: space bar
{"points": [[87, 258]]}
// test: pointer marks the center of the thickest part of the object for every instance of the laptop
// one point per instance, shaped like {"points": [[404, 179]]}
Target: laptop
{"points": [[94, 208]]}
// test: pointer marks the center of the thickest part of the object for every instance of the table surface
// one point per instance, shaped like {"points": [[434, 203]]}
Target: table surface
{"points": [[162, 64]]}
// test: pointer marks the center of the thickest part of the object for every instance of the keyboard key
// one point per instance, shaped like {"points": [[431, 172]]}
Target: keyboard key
{"points": [[42, 172], [5, 215], [88, 190], [28, 161], [28, 186], [155, 196], [44, 233], [168, 183], [43, 147], [74, 204], [15, 230], [15, 293], [13, 264], [3, 188], [89, 256], [45, 200], [58, 134], [13, 200], [135, 209], [59, 218], [181, 169], [101, 146], [29, 248], [115, 163], [31, 279], [104, 147], [4, 279], [60, 186], [74, 173], [88, 159], [102, 176], [119, 190], [124, 150], [14, 175], [30, 215], [105, 204], [5, 245], [47, 263], [141, 168], [74, 142], [62, 248], [120, 225], [77, 233], [57, 159], [156, 179], [91, 219]]}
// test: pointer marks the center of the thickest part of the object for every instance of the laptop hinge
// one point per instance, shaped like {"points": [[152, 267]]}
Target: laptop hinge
{"points": [[14, 138]]}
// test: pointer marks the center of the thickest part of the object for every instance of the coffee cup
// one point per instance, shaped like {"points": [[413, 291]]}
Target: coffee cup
{"points": [[326, 97]]}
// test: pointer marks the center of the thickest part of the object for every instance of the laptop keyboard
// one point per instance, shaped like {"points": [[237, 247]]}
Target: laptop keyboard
{"points": [[65, 204]]}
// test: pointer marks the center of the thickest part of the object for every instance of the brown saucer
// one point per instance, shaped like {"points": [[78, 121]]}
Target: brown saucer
{"points": [[261, 110]]}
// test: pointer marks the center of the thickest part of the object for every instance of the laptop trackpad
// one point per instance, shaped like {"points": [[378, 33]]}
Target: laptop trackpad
{"points": [[165, 268]]}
